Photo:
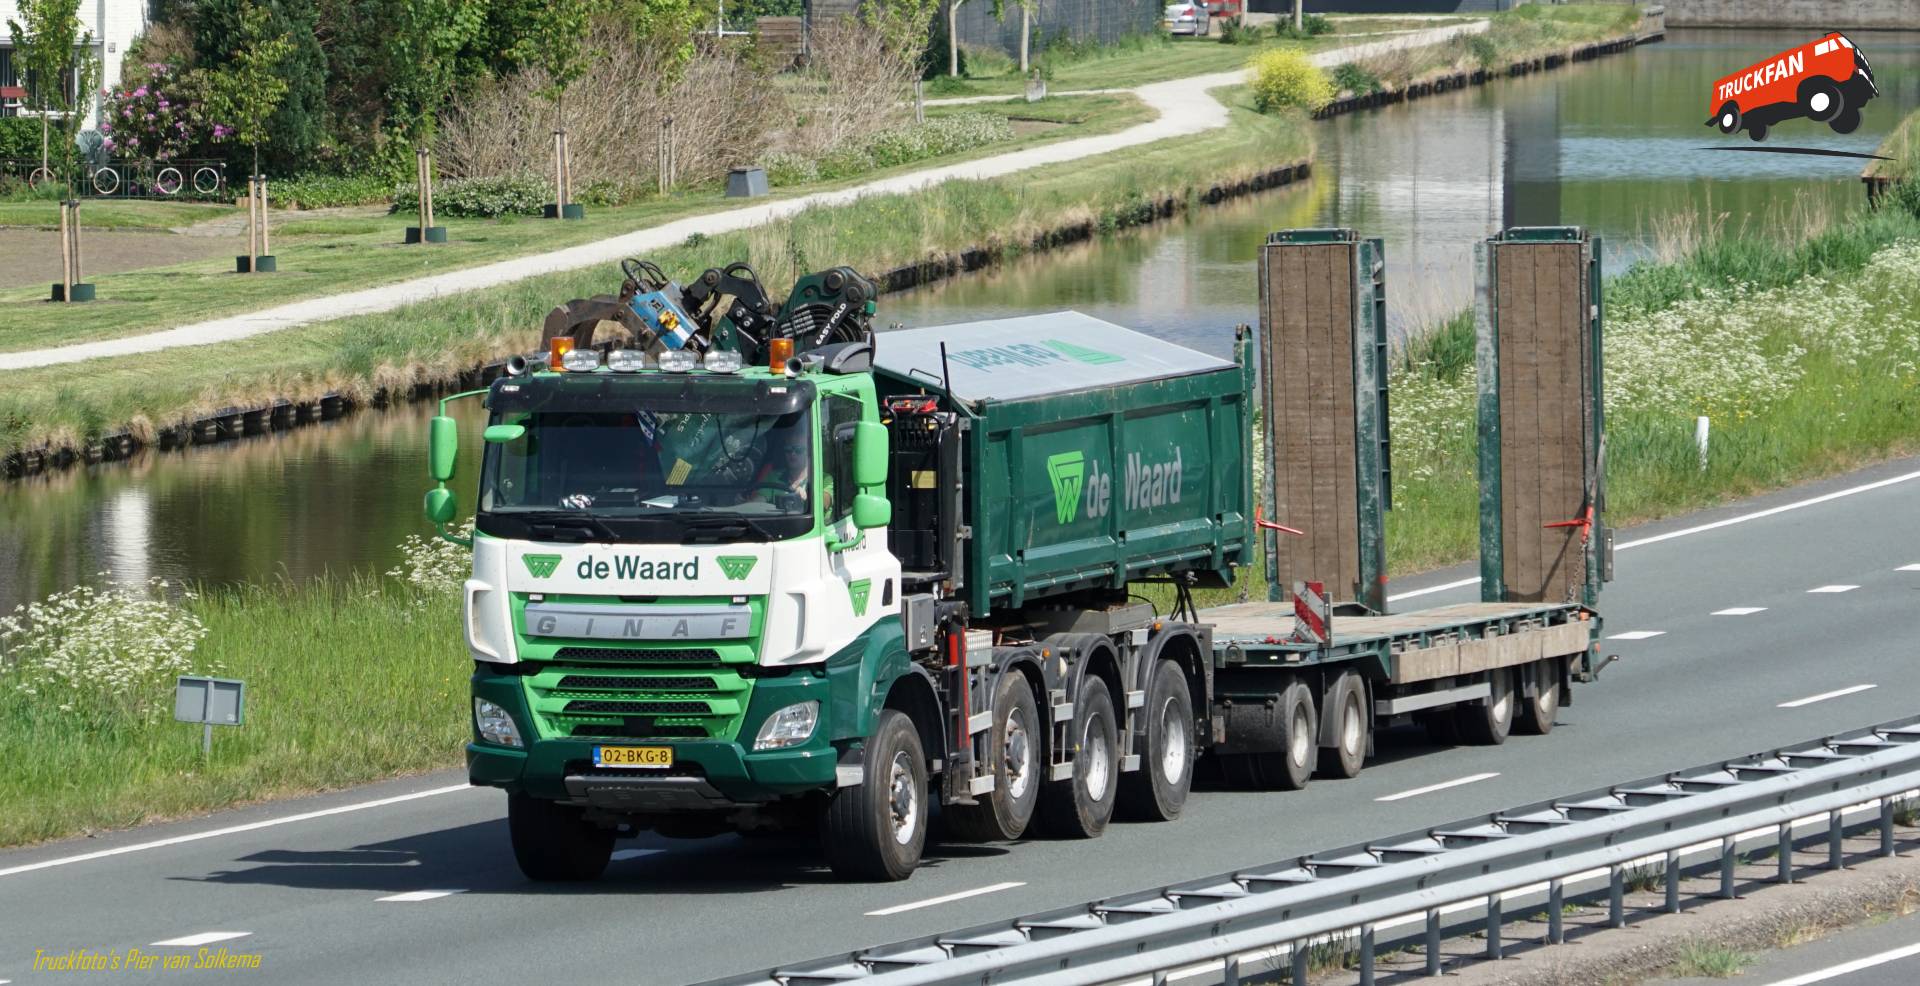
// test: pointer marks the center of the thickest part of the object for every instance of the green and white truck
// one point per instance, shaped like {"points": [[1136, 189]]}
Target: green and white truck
{"points": [[899, 575]]}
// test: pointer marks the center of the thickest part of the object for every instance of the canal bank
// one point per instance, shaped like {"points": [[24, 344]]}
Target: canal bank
{"points": [[1812, 15]]}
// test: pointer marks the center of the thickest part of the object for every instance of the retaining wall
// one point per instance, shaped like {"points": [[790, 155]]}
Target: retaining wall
{"points": [[1817, 15]]}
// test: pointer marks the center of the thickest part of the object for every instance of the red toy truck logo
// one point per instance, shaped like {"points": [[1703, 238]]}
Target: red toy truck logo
{"points": [[1827, 82]]}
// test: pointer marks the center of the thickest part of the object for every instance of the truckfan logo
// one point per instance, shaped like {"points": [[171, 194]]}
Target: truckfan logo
{"points": [[541, 566], [736, 567], [1068, 471], [1827, 81], [857, 593]]}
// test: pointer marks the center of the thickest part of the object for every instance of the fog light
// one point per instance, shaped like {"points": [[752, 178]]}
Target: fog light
{"points": [[790, 726], [722, 361], [678, 360], [626, 361], [495, 726], [581, 360]]}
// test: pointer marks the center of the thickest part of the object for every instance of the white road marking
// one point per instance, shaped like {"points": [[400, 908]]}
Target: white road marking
{"points": [[1908, 568], [1637, 635], [949, 898], [1823, 696], [203, 938], [1700, 528], [234, 829], [1740, 611], [1429, 789], [418, 895], [1833, 972], [1834, 588], [634, 853]]}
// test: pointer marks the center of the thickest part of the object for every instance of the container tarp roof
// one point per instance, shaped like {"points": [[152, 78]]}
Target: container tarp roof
{"points": [[1010, 359]]}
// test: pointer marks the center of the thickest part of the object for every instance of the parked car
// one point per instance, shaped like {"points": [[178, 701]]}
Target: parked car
{"points": [[1187, 18]]}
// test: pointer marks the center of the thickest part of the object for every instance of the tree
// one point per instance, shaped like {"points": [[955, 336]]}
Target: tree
{"points": [[555, 42], [425, 48], [1299, 16], [295, 136], [53, 51], [250, 87]]}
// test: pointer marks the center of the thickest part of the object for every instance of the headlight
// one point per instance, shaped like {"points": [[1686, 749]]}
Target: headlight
{"points": [[581, 361], [626, 360], [722, 361], [495, 725], [790, 726], [678, 360]]}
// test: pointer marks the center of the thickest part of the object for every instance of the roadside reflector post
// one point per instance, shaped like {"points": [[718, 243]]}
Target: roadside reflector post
{"points": [[210, 702], [1700, 439]]}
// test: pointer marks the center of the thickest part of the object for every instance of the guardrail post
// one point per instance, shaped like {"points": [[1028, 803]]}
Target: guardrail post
{"points": [[1886, 827], [1673, 883], [1366, 955], [1556, 905], [1786, 852], [1433, 942], [1616, 894], [1297, 959], [1230, 972], [1834, 858], [1726, 868], [1493, 926]]}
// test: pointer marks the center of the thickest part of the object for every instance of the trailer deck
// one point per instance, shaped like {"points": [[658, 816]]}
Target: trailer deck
{"points": [[1423, 645]]}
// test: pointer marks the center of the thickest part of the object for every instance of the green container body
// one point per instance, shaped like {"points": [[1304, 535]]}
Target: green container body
{"points": [[1123, 468]]}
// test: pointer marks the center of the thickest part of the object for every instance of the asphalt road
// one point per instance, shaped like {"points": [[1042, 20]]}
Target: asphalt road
{"points": [[1784, 663], [1883, 954]]}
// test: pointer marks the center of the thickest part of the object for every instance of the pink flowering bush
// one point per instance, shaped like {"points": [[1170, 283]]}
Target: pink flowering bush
{"points": [[161, 118]]}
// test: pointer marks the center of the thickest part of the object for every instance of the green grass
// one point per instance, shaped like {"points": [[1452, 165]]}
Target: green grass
{"points": [[436, 340], [325, 255], [1903, 146], [320, 714], [1709, 960], [115, 214], [1153, 58], [1517, 35]]}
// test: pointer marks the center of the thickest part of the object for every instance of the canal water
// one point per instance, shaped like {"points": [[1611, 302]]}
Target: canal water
{"points": [[1616, 145]]}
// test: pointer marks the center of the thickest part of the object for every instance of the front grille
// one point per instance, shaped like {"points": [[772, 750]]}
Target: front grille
{"points": [[598, 731], [686, 655], [675, 683], [639, 708]]}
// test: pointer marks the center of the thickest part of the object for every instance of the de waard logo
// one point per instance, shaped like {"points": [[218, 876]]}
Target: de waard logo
{"points": [[1079, 481], [736, 567], [636, 567], [541, 566], [857, 593]]}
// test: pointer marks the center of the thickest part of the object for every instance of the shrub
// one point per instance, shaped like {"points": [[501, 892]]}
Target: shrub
{"points": [[161, 118], [1352, 78], [1485, 53], [982, 63], [19, 138], [518, 194], [890, 148], [785, 169], [1905, 195], [331, 191], [1288, 78], [104, 656], [1311, 26], [1235, 33]]}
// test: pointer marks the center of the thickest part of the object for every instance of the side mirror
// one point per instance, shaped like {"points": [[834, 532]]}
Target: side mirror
{"points": [[499, 434], [443, 446], [439, 506], [869, 456], [871, 511]]}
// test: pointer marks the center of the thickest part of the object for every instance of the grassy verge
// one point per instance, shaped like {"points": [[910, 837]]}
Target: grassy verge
{"points": [[328, 254], [1516, 35], [319, 714], [1903, 146], [435, 341], [1140, 61], [129, 215]]}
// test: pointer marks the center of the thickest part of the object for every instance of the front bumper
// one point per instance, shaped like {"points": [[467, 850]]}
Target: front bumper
{"points": [[706, 774]]}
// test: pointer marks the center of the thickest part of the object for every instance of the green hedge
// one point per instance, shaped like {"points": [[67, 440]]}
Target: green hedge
{"points": [[330, 191], [483, 198], [19, 137]]}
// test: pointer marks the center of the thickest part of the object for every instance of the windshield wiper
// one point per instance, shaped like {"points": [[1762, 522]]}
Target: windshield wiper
{"points": [[718, 527], [547, 525]]}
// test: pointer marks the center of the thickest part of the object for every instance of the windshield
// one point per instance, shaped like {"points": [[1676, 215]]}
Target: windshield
{"points": [[651, 466]]}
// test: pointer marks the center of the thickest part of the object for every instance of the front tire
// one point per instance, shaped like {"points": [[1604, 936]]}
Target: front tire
{"points": [[877, 829], [1080, 806], [1158, 790], [554, 843], [1013, 751]]}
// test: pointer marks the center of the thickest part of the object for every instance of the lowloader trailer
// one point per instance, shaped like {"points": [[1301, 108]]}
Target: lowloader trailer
{"points": [[763, 569]]}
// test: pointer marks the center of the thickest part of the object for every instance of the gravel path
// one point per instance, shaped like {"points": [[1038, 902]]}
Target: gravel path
{"points": [[1183, 108]]}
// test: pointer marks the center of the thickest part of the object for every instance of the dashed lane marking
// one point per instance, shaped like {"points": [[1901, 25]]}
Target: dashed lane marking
{"points": [[203, 938], [1908, 568], [1833, 588], [1823, 696], [1739, 611], [413, 896], [1443, 785], [1637, 634], [949, 898]]}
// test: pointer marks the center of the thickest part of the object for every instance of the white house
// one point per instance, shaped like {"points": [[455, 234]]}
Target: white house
{"points": [[113, 23]]}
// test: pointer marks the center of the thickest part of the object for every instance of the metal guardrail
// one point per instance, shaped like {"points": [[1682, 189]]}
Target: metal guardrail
{"points": [[1419, 878]]}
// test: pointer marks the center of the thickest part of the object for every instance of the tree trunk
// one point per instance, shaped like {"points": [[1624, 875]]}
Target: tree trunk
{"points": [[953, 38], [1026, 34], [44, 142], [1299, 16]]}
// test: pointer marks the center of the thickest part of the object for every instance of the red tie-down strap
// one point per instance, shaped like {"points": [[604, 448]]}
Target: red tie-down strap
{"points": [[1260, 521]]}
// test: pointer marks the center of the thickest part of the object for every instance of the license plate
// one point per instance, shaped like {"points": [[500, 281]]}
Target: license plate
{"points": [[633, 756]]}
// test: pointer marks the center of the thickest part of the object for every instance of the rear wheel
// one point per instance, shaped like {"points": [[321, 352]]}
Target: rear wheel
{"points": [[1821, 100], [877, 829], [1757, 132], [1012, 752], [1488, 723], [1346, 706], [553, 842], [1158, 790], [1292, 765], [1846, 122], [1080, 806], [1538, 711]]}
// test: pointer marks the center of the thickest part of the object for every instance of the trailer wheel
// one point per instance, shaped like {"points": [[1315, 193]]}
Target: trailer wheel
{"points": [[1013, 751], [1820, 99], [1488, 723], [1346, 708], [554, 843], [1080, 806], [1291, 767], [877, 829], [1157, 791], [1538, 712]]}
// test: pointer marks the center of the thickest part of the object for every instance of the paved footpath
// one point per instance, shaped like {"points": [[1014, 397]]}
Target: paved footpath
{"points": [[1182, 106]]}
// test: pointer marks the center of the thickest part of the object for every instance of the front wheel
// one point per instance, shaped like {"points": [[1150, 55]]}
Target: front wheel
{"points": [[554, 843], [877, 829], [1729, 118], [1158, 790], [1821, 100]]}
